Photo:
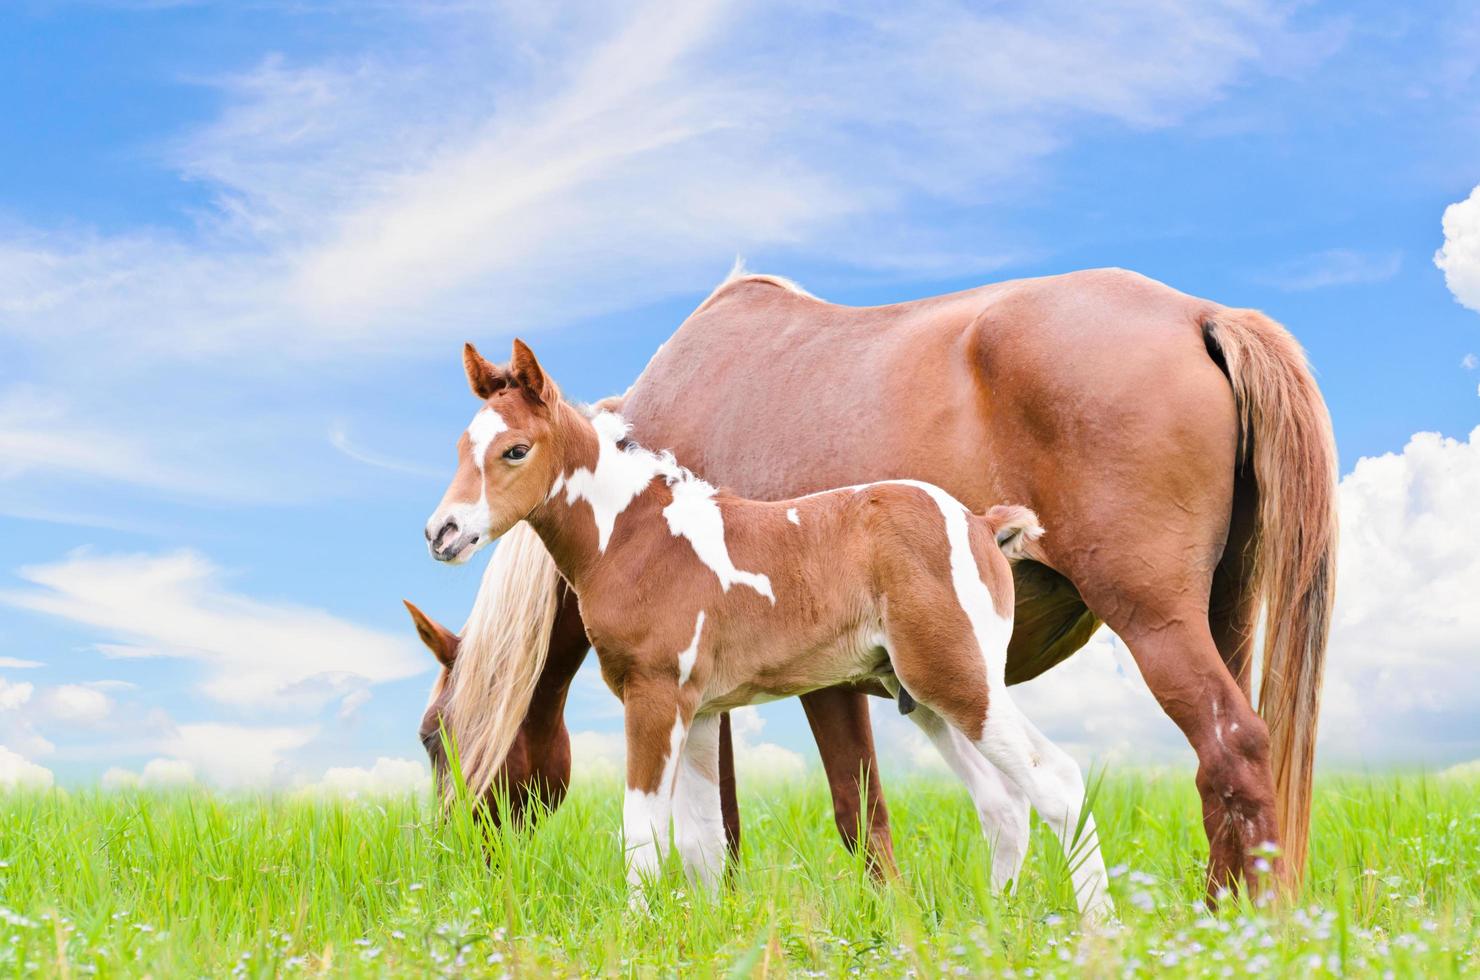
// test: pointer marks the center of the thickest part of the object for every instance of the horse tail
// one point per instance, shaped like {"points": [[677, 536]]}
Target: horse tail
{"points": [[503, 651], [1285, 432]]}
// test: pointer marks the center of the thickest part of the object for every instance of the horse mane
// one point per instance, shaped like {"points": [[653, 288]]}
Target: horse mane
{"points": [[738, 274], [505, 644]]}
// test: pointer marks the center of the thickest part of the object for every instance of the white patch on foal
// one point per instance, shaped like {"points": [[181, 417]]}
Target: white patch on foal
{"points": [[690, 654], [618, 478], [473, 517], [698, 821], [791, 515], [645, 816], [484, 428], [695, 514]]}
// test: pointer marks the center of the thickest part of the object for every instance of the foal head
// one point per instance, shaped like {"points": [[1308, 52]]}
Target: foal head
{"points": [[506, 460]]}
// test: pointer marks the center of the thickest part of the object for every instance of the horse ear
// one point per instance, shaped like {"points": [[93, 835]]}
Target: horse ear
{"points": [[527, 373], [484, 378], [438, 638]]}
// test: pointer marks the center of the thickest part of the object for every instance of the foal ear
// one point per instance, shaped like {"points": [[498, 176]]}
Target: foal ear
{"points": [[484, 378], [527, 374], [438, 638]]}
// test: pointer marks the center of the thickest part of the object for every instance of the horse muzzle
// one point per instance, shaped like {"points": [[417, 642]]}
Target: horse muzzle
{"points": [[449, 542]]}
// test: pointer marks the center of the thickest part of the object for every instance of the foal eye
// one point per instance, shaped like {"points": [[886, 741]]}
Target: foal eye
{"points": [[516, 453]]}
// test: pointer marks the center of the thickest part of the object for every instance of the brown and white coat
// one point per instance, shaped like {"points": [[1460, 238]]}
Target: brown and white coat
{"points": [[697, 602]]}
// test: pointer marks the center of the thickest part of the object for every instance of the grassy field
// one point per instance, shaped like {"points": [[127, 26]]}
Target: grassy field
{"points": [[190, 883]]}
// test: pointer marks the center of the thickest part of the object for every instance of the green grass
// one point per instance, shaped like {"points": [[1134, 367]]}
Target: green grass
{"points": [[191, 883]]}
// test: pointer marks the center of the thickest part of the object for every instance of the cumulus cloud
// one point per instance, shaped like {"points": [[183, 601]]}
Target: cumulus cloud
{"points": [[156, 774], [757, 759], [258, 654], [1401, 683], [236, 756], [603, 754], [1459, 256], [15, 663], [13, 695], [387, 777], [78, 704], [16, 772]]}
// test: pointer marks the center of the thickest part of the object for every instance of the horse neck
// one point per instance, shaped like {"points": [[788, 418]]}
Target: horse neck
{"points": [[596, 482]]}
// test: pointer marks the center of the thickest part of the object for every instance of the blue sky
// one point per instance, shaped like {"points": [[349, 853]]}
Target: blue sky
{"points": [[241, 243]]}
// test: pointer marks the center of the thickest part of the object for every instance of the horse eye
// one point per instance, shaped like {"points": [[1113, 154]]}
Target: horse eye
{"points": [[516, 452]]}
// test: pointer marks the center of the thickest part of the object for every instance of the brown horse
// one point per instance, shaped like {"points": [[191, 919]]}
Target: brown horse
{"points": [[1179, 450], [698, 602]]}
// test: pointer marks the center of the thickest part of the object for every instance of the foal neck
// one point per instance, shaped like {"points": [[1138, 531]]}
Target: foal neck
{"points": [[600, 478]]}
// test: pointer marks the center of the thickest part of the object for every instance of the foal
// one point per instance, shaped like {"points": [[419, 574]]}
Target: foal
{"points": [[697, 602]]}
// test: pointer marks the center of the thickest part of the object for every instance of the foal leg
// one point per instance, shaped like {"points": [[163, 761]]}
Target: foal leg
{"points": [[1000, 805], [657, 726], [698, 823], [1052, 781]]}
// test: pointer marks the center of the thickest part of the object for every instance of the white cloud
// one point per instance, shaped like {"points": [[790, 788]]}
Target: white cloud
{"points": [[157, 773], [598, 755], [78, 703], [18, 773], [1401, 682], [387, 777], [1469, 362], [13, 695], [759, 760], [259, 654], [1335, 267], [237, 756], [14, 663], [603, 754], [1459, 256], [635, 148]]}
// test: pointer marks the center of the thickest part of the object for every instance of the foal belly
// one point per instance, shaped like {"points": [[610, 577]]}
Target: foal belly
{"points": [[859, 655]]}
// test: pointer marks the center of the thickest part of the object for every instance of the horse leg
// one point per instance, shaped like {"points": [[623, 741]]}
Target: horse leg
{"points": [[729, 801], [1185, 671], [1001, 806], [656, 727], [845, 740], [698, 822]]}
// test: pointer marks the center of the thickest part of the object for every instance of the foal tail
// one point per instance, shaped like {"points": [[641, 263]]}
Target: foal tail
{"points": [[503, 651], [1015, 527], [1285, 431]]}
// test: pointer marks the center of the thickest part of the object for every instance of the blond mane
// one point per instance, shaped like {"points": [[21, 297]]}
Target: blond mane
{"points": [[505, 644]]}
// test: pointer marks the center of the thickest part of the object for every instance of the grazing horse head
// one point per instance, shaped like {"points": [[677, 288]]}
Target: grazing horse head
{"points": [[443, 643], [505, 460]]}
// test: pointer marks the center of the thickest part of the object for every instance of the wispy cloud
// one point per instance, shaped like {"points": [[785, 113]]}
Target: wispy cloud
{"points": [[629, 152], [339, 439], [1334, 267], [263, 655]]}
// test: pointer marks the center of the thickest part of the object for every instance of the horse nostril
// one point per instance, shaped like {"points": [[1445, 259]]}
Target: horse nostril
{"points": [[446, 532]]}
